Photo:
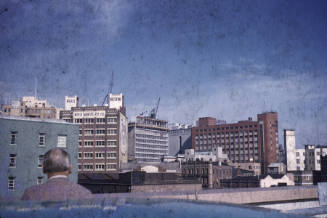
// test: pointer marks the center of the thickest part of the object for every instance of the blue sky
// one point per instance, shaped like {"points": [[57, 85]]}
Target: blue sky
{"points": [[225, 59]]}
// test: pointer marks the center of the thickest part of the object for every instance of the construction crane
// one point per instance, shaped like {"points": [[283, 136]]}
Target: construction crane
{"points": [[154, 111], [111, 85]]}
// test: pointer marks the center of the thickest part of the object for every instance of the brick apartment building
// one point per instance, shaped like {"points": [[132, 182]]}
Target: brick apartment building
{"points": [[244, 141], [103, 139]]}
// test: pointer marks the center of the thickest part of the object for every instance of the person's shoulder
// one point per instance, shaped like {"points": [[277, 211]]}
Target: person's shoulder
{"points": [[30, 192]]}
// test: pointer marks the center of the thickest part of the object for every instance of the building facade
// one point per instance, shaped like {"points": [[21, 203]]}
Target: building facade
{"points": [[147, 139], [300, 159], [313, 156], [103, 139], [29, 106], [24, 141], [245, 141], [290, 149], [179, 138]]}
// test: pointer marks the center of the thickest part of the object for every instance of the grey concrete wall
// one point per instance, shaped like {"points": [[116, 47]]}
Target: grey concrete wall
{"points": [[235, 196], [167, 188], [28, 150]]}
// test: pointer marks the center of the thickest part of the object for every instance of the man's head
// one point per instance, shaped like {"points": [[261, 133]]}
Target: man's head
{"points": [[56, 161]]}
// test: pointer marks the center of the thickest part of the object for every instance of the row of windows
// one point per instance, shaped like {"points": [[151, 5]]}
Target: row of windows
{"points": [[227, 141], [225, 128], [151, 151], [98, 155], [152, 136], [13, 160], [151, 141], [96, 166], [227, 135], [42, 136], [95, 120], [98, 132], [99, 143], [140, 145], [12, 181]]}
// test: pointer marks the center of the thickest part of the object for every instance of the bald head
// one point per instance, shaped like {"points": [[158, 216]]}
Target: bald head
{"points": [[56, 160]]}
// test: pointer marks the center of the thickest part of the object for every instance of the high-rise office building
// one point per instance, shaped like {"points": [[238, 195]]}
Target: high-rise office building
{"points": [[103, 139], [147, 139]]}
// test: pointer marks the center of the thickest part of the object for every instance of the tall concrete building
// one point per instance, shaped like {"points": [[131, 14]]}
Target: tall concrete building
{"points": [[244, 141], [179, 138], [102, 136], [147, 139], [30, 106], [24, 142], [290, 149]]}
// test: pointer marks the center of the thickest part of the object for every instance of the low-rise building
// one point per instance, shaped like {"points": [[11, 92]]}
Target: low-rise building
{"points": [[276, 168], [211, 173], [179, 138], [139, 181], [251, 166], [276, 180], [24, 141], [30, 106], [216, 155]]}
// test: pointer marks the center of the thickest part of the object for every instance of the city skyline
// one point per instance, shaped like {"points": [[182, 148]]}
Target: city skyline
{"points": [[223, 59]]}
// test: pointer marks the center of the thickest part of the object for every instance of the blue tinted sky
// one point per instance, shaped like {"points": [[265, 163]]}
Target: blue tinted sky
{"points": [[225, 59]]}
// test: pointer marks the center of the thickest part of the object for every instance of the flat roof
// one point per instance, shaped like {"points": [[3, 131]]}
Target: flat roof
{"points": [[36, 119]]}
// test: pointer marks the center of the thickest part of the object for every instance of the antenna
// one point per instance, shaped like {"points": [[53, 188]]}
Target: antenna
{"points": [[35, 87], [111, 85]]}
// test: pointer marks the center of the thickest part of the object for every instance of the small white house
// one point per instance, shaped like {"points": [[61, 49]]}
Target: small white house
{"points": [[276, 180]]}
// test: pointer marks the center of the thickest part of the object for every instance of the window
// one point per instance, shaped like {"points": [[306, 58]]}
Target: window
{"points": [[111, 166], [111, 155], [112, 143], [42, 139], [100, 143], [88, 155], [12, 160], [101, 120], [99, 155], [99, 167], [112, 120], [39, 180], [88, 167], [79, 155], [112, 131], [62, 141], [88, 132], [13, 138], [40, 161], [100, 131], [79, 167], [11, 183], [88, 143]]}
